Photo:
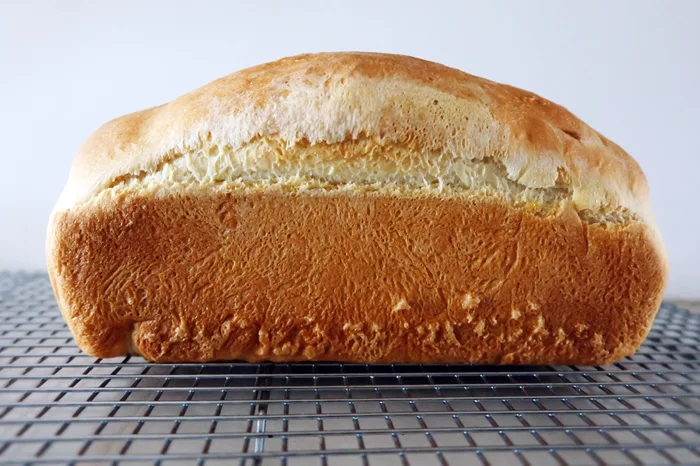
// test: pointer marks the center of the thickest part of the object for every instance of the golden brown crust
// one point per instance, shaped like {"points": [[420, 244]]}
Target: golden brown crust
{"points": [[364, 278], [392, 100]]}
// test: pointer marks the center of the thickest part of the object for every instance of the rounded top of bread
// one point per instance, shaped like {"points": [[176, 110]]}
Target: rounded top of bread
{"points": [[392, 101]]}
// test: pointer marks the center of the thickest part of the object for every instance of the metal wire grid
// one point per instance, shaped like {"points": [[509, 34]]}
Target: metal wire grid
{"points": [[60, 406]]}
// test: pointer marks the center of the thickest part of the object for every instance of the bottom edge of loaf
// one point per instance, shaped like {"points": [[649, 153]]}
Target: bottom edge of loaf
{"points": [[354, 278]]}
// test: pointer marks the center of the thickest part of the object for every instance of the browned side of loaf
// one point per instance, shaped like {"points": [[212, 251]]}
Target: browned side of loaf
{"points": [[360, 278]]}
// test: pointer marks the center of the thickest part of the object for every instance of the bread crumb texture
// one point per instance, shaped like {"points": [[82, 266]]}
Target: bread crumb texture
{"points": [[356, 207]]}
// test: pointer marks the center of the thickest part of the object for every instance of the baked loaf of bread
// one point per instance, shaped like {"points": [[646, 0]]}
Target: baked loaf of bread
{"points": [[356, 207]]}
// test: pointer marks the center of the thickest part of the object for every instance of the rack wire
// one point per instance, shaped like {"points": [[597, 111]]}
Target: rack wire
{"points": [[60, 406]]}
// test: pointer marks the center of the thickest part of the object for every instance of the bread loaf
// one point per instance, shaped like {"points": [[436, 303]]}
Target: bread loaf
{"points": [[356, 207]]}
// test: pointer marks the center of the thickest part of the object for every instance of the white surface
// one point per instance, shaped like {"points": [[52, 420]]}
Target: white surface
{"points": [[631, 69]]}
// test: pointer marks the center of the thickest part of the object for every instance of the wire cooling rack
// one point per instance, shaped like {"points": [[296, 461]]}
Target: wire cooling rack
{"points": [[60, 406]]}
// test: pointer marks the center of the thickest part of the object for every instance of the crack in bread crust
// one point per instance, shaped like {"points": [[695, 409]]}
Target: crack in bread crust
{"points": [[351, 166]]}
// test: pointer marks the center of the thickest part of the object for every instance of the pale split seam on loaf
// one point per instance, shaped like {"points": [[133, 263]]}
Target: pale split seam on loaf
{"points": [[270, 165]]}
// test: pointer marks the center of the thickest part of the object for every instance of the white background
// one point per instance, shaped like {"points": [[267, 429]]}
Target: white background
{"points": [[631, 69]]}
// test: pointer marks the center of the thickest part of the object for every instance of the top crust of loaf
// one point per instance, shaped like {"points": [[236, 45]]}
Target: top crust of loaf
{"points": [[382, 102]]}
